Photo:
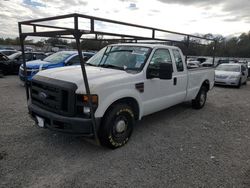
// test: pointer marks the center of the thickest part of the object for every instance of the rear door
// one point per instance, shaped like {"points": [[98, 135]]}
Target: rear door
{"points": [[180, 79]]}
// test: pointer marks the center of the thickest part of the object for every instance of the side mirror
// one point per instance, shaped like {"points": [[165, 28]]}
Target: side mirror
{"points": [[163, 71], [243, 74], [166, 71]]}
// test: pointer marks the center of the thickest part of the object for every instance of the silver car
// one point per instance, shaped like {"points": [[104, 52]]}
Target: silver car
{"points": [[231, 74]]}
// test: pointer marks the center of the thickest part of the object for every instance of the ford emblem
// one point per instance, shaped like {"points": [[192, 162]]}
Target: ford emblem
{"points": [[42, 95]]}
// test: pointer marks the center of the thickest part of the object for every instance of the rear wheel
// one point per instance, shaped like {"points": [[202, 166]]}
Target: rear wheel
{"points": [[117, 126], [200, 99]]}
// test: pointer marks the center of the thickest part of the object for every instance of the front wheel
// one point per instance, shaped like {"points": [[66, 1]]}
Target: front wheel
{"points": [[200, 99], [1, 74], [117, 126], [239, 84]]}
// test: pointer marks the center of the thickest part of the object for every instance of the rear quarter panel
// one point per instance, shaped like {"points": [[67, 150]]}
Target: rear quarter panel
{"points": [[196, 77]]}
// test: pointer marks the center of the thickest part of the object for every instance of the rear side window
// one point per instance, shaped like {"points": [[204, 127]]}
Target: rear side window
{"points": [[178, 60]]}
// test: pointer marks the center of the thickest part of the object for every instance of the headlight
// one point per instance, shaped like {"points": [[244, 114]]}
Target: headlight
{"points": [[234, 77], [82, 104]]}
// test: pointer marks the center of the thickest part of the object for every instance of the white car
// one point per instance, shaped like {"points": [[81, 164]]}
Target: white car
{"points": [[127, 82], [193, 64], [231, 74], [248, 66]]}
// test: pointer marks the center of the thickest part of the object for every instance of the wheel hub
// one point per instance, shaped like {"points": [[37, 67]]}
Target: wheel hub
{"points": [[120, 126]]}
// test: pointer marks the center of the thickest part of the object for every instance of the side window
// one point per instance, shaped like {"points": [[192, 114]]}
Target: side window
{"points": [[178, 61], [40, 56], [28, 56], [74, 60], [160, 56], [243, 68]]}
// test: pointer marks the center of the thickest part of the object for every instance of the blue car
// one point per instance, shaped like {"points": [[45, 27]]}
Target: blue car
{"points": [[59, 59]]}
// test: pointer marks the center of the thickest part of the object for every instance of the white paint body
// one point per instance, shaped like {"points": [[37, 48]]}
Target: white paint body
{"points": [[230, 77], [111, 85]]}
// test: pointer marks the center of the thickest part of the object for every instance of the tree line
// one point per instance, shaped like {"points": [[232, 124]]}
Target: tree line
{"points": [[237, 46]]}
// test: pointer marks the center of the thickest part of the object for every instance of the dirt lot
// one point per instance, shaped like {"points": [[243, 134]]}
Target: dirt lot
{"points": [[178, 147]]}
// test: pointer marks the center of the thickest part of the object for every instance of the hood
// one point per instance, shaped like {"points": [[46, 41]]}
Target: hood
{"points": [[97, 76], [226, 73], [37, 63]]}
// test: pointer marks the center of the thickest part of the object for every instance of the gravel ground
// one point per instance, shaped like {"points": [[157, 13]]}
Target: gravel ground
{"points": [[177, 147]]}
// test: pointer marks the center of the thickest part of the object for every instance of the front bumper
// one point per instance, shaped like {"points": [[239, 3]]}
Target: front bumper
{"points": [[230, 82], [64, 124]]}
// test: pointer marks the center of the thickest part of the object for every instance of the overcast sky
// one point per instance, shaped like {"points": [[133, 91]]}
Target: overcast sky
{"points": [[226, 17]]}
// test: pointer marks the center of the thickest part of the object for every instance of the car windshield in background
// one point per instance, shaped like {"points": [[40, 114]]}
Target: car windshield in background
{"points": [[13, 56], [230, 68], [128, 58], [57, 57]]}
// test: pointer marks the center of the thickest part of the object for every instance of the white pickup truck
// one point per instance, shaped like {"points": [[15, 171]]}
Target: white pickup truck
{"points": [[127, 82]]}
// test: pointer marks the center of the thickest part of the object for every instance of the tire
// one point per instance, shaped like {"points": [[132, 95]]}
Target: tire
{"points": [[117, 126], [200, 99], [239, 84], [1, 74]]}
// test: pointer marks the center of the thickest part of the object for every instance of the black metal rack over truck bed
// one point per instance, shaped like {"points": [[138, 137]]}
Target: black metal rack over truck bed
{"points": [[46, 27]]}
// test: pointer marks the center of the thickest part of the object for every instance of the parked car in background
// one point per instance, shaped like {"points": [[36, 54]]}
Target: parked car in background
{"points": [[248, 66], [231, 74], [7, 52], [58, 59], [8, 66], [193, 64], [205, 61], [226, 61], [29, 56]]}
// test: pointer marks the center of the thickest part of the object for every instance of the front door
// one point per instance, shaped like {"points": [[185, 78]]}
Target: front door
{"points": [[158, 94]]}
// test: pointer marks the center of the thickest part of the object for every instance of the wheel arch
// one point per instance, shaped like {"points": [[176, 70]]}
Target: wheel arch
{"points": [[131, 101], [206, 84]]}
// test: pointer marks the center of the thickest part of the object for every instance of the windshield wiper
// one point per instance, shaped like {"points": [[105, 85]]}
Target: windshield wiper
{"points": [[111, 66]]}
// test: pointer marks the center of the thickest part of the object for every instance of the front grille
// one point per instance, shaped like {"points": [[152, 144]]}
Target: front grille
{"points": [[221, 76], [53, 95]]}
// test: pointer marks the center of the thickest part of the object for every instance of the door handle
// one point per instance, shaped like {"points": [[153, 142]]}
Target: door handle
{"points": [[175, 80]]}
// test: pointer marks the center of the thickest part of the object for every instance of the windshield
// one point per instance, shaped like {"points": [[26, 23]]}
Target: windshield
{"points": [[13, 56], [230, 68], [57, 57], [125, 58]]}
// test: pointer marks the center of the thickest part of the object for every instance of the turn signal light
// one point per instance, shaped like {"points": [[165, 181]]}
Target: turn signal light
{"points": [[92, 98]]}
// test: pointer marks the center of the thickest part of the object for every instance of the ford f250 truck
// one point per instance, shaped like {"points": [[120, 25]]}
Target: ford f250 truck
{"points": [[127, 82]]}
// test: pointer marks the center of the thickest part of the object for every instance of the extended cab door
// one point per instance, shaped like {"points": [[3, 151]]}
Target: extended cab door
{"points": [[158, 93], [180, 77]]}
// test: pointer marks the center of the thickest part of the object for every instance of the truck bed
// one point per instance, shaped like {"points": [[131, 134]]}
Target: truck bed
{"points": [[195, 79]]}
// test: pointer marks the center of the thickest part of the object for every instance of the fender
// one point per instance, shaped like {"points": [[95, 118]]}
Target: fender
{"points": [[110, 99]]}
